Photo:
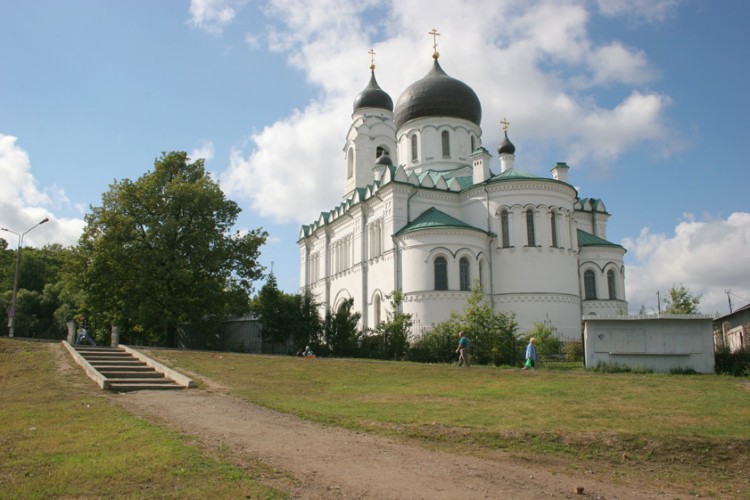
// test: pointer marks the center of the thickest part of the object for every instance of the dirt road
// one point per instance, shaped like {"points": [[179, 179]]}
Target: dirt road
{"points": [[330, 462]]}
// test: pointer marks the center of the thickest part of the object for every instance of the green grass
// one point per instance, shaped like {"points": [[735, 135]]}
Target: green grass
{"points": [[59, 438], [63, 439], [676, 428]]}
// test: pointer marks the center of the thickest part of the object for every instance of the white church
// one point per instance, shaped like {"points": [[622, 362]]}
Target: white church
{"points": [[423, 213]]}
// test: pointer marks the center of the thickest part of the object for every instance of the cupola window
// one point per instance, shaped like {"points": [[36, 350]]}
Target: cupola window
{"points": [[504, 228], [611, 284], [446, 144], [414, 155]]}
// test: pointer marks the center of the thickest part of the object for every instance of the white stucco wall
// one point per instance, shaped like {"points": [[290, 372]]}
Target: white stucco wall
{"points": [[657, 343]]}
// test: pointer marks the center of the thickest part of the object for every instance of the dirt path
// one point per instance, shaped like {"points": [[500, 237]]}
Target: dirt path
{"points": [[330, 462]]}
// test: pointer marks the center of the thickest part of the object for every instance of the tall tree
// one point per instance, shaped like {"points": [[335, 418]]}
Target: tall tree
{"points": [[340, 332], [396, 329], [679, 300], [159, 252]]}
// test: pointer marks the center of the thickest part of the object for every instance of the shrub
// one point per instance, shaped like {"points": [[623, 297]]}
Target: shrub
{"points": [[573, 351], [732, 363]]}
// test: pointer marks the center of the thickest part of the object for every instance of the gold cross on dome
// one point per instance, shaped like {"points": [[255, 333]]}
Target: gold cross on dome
{"points": [[505, 124], [372, 58], [434, 34]]}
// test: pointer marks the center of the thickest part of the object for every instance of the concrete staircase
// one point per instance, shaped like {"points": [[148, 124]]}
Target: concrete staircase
{"points": [[124, 369]]}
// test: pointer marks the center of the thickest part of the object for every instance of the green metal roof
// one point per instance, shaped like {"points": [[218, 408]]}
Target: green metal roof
{"points": [[589, 240], [432, 218], [512, 173]]}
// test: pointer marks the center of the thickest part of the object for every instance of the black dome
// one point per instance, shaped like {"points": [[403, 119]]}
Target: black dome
{"points": [[506, 146], [373, 97], [437, 94]]}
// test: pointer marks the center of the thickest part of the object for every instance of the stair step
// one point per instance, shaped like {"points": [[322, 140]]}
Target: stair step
{"points": [[129, 386], [159, 381], [119, 362], [117, 374]]}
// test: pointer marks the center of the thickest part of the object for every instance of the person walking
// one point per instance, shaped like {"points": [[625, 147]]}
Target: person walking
{"points": [[463, 349], [530, 355]]}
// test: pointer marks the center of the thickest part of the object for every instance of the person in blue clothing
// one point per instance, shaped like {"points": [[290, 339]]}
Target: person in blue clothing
{"points": [[84, 336], [531, 354], [463, 349]]}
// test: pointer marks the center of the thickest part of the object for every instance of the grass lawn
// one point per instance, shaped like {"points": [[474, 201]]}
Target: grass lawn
{"points": [[686, 429], [63, 439]]}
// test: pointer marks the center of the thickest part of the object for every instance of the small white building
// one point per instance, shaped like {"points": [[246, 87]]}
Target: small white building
{"points": [[659, 343], [423, 213]]}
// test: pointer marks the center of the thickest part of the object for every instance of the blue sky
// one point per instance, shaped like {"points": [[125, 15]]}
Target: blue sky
{"points": [[648, 101]]}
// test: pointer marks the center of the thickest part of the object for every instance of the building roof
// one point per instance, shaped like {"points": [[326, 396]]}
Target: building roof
{"points": [[589, 240], [432, 218], [438, 94]]}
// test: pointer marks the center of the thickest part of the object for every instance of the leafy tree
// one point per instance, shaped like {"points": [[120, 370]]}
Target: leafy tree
{"points": [[340, 335], [308, 324], [158, 253], [546, 342], [396, 330], [491, 334], [680, 301]]}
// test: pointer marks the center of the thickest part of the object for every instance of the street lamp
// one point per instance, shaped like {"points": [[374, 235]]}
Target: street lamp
{"points": [[12, 312]]}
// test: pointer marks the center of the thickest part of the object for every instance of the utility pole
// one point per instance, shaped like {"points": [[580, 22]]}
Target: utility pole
{"points": [[729, 298], [12, 312], [658, 301]]}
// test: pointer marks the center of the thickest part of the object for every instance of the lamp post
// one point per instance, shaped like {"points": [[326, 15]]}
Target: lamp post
{"points": [[12, 312]]}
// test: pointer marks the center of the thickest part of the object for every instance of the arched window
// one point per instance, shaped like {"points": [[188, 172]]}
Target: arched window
{"points": [[553, 228], [380, 150], [446, 144], [611, 285], [464, 274], [376, 310], [414, 155], [473, 143], [350, 163], [589, 285], [441, 274], [481, 274], [504, 228], [530, 227]]}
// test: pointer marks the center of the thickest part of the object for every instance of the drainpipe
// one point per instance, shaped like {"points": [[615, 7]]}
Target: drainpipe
{"points": [[489, 249]]}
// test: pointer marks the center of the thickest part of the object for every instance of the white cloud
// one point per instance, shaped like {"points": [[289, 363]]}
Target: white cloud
{"points": [[204, 151], [707, 256], [23, 204], [212, 16], [534, 63]]}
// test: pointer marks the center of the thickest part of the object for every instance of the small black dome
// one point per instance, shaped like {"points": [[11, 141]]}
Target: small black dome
{"points": [[373, 97], [384, 159], [437, 94], [506, 146]]}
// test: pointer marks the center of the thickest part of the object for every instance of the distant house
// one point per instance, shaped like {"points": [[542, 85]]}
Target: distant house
{"points": [[733, 330]]}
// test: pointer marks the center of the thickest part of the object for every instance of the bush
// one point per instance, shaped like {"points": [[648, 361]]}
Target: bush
{"points": [[573, 351], [732, 363], [602, 367]]}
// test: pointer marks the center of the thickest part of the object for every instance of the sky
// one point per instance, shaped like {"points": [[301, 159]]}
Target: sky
{"points": [[648, 101]]}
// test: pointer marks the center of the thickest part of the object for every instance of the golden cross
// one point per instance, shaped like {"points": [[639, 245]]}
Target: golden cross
{"points": [[505, 124], [372, 58], [434, 34]]}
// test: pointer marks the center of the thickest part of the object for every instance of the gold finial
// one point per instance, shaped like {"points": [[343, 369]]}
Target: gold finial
{"points": [[372, 59], [435, 34], [505, 124]]}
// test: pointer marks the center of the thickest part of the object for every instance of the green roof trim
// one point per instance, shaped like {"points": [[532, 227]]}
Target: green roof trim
{"points": [[432, 218], [589, 240], [512, 173]]}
